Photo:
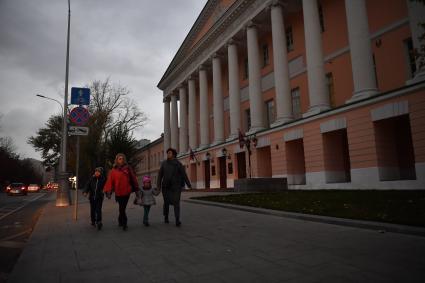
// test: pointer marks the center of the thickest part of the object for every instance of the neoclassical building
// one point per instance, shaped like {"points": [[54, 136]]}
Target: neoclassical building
{"points": [[329, 94]]}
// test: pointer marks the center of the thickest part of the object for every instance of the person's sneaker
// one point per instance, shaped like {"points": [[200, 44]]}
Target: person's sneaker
{"points": [[166, 220], [125, 227], [99, 226], [178, 223]]}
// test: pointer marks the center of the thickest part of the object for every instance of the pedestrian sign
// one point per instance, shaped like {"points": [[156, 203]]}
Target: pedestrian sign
{"points": [[79, 115], [78, 131], [80, 96]]}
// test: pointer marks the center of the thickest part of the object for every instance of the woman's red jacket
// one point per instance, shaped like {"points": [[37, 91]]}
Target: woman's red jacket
{"points": [[121, 180]]}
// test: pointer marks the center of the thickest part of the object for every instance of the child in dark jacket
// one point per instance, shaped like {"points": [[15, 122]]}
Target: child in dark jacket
{"points": [[147, 198], [94, 191]]}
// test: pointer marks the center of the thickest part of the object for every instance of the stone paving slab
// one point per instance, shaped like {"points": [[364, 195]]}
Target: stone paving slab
{"points": [[214, 244]]}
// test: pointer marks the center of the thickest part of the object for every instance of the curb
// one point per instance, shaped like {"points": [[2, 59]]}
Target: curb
{"points": [[371, 225]]}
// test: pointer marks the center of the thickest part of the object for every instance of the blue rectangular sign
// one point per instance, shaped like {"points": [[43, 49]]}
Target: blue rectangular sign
{"points": [[80, 96]]}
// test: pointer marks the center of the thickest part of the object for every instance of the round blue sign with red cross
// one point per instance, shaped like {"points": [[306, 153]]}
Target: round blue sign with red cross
{"points": [[79, 115]]}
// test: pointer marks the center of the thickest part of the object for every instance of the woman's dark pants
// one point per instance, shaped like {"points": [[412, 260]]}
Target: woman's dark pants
{"points": [[122, 202]]}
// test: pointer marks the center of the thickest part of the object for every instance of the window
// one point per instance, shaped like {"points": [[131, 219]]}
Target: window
{"points": [[213, 170], [296, 102], [374, 69], [410, 56], [265, 55], [331, 88], [230, 168], [322, 22], [289, 39], [247, 119], [246, 71], [270, 112]]}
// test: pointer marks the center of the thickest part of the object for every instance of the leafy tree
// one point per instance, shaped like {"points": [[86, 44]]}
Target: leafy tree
{"points": [[48, 140], [113, 118]]}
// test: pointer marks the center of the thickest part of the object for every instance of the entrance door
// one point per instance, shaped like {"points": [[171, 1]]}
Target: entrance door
{"points": [[223, 172], [193, 175], [240, 157], [207, 174]]}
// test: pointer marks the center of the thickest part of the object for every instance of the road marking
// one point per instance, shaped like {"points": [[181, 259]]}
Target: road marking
{"points": [[12, 245], [22, 206], [16, 235]]}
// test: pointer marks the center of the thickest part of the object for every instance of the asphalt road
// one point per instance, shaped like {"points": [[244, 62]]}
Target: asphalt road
{"points": [[18, 215]]}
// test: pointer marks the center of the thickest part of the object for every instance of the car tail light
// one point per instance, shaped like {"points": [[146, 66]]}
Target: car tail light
{"points": [[8, 188], [23, 188]]}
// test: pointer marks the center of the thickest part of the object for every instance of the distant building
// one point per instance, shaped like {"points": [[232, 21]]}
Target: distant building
{"points": [[150, 157], [141, 143], [329, 92]]}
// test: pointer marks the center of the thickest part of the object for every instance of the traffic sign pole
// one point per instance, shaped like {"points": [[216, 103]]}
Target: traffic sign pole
{"points": [[77, 181]]}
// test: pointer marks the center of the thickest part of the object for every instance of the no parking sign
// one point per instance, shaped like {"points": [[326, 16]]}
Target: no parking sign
{"points": [[79, 115]]}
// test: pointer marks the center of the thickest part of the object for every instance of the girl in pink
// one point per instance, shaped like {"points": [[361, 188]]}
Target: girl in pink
{"points": [[147, 194]]}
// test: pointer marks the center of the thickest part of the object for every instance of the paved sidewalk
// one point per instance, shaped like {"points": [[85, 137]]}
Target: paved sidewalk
{"points": [[214, 244]]}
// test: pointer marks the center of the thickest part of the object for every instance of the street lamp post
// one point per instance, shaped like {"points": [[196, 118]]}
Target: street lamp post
{"points": [[49, 98], [63, 197]]}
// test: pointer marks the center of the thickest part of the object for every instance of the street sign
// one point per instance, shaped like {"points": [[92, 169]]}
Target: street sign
{"points": [[78, 131], [79, 116], [80, 96]]}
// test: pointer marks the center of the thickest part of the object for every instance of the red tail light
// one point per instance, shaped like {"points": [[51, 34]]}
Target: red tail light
{"points": [[23, 188], [8, 188]]}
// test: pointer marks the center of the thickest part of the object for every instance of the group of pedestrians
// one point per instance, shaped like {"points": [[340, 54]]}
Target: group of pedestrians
{"points": [[122, 181]]}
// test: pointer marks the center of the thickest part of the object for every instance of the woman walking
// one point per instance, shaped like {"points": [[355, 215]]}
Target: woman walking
{"points": [[171, 179], [123, 182]]}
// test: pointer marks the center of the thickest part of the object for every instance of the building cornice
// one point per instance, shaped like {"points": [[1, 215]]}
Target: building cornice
{"points": [[226, 27]]}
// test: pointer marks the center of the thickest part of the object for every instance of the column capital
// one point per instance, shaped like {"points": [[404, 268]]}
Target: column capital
{"points": [[216, 55], [166, 99], [251, 24], [277, 3], [232, 41]]}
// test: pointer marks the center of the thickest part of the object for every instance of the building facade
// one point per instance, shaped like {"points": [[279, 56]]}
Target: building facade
{"points": [[329, 93], [149, 159]]}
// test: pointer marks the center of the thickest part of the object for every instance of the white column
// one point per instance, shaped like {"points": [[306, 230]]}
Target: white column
{"points": [[281, 68], [192, 114], [254, 74], [167, 128], [218, 109], [234, 91], [203, 108], [174, 123], [317, 90], [416, 11], [360, 50], [183, 120]]}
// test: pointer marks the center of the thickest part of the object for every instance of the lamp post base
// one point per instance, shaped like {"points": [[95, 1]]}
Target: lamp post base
{"points": [[63, 197]]}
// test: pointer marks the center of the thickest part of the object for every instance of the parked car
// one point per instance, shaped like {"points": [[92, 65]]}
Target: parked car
{"points": [[33, 188], [17, 189]]}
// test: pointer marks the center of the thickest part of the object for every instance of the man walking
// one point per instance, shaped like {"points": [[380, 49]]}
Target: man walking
{"points": [[171, 179]]}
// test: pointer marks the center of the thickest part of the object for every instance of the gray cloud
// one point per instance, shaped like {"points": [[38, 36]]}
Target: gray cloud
{"points": [[130, 41]]}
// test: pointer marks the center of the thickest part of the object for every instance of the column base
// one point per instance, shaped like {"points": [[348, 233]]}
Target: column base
{"points": [[281, 121], [202, 146], [217, 142], [362, 94], [254, 130], [419, 77], [316, 110], [232, 137]]}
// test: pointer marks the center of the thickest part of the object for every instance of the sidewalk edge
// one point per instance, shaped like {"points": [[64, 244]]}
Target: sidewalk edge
{"points": [[371, 225]]}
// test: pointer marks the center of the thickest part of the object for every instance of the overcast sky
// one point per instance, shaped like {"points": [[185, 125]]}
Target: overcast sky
{"points": [[130, 41]]}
